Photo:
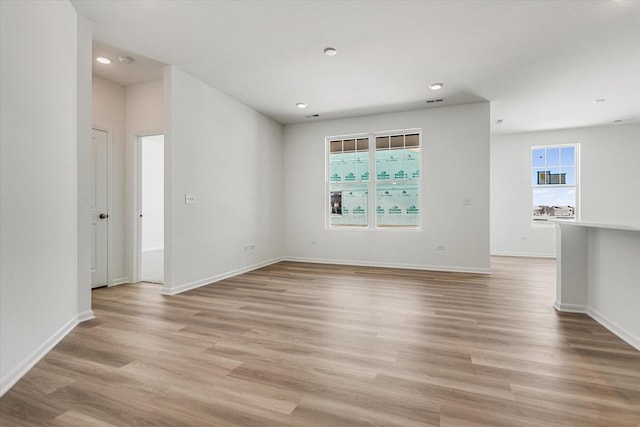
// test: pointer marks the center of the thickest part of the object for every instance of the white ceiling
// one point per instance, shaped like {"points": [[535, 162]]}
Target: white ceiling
{"points": [[540, 63], [141, 70]]}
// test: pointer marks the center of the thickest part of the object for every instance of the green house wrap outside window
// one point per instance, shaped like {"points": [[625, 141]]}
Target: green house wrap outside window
{"points": [[386, 166]]}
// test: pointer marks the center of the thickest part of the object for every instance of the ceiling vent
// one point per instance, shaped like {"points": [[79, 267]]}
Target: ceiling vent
{"points": [[433, 101], [126, 59]]}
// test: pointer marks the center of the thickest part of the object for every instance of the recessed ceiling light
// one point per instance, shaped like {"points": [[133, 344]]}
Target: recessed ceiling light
{"points": [[436, 86], [599, 100], [301, 105], [103, 60], [330, 51]]}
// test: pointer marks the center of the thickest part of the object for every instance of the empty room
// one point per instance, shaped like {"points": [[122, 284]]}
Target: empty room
{"points": [[319, 213]]}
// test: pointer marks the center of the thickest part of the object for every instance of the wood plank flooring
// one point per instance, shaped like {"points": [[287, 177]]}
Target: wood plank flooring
{"points": [[297, 344]]}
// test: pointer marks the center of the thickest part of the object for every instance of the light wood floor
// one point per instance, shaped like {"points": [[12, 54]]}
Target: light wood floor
{"points": [[308, 345]]}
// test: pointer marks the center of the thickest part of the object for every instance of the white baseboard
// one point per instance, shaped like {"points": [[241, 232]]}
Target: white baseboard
{"points": [[119, 281], [19, 371], [452, 269], [570, 308], [86, 315], [524, 254], [209, 280], [622, 333]]}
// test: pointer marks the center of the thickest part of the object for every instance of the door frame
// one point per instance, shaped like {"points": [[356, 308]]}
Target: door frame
{"points": [[109, 194], [136, 235]]}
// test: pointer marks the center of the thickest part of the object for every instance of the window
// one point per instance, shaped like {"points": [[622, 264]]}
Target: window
{"points": [[348, 178], [386, 165], [554, 181]]}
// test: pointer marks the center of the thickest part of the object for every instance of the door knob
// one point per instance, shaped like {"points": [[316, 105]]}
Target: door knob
{"points": [[103, 216]]}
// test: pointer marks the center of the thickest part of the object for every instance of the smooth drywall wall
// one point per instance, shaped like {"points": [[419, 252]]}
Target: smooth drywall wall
{"points": [[109, 114], [38, 181], [455, 165], [609, 184], [145, 109], [229, 157], [613, 294], [85, 173]]}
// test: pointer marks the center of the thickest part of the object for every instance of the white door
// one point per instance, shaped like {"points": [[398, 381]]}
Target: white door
{"points": [[99, 210]]}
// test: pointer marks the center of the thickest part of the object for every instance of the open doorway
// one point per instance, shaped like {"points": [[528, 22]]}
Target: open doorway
{"points": [[151, 213]]}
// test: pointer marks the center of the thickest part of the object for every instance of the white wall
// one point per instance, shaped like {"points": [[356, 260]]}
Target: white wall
{"points": [[145, 108], [152, 192], [609, 184], [85, 173], [613, 279], [38, 181], [610, 176], [109, 113], [229, 157], [455, 165]]}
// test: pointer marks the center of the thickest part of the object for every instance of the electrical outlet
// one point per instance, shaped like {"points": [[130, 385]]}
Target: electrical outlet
{"points": [[466, 201], [440, 248], [189, 199]]}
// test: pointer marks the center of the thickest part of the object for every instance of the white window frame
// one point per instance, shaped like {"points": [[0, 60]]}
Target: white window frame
{"points": [[545, 223], [371, 184]]}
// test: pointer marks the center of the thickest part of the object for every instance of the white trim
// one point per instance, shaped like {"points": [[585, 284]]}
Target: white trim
{"points": [[11, 378], [159, 248], [570, 308], [136, 203], [136, 200], [542, 223], [86, 315], [119, 281], [209, 280], [452, 269], [371, 184], [523, 254], [614, 327]]}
